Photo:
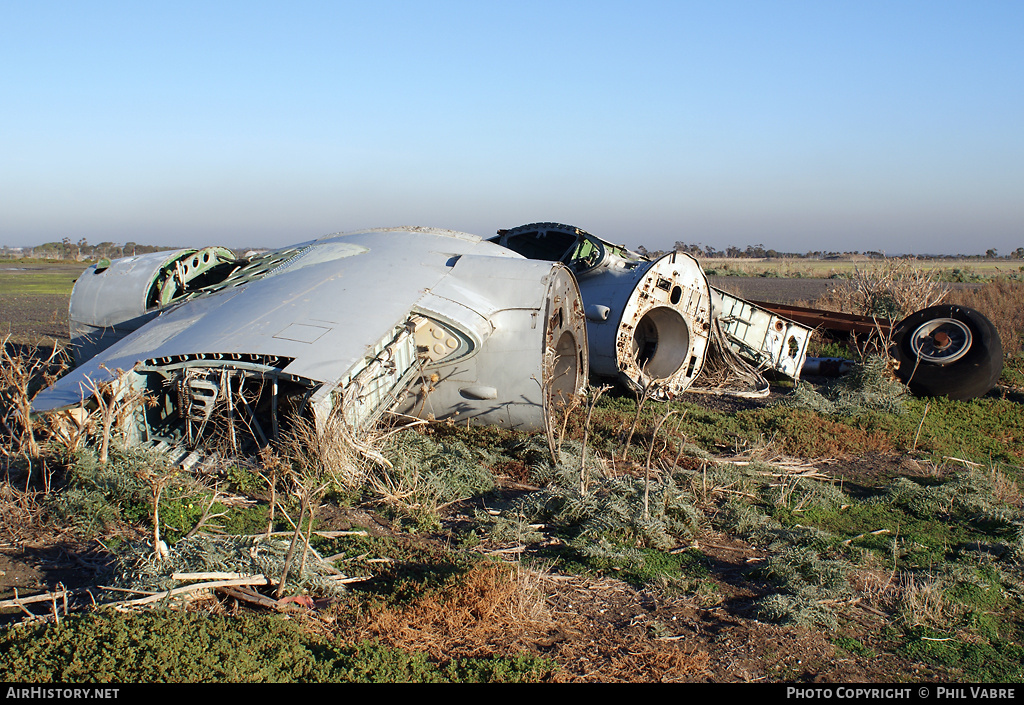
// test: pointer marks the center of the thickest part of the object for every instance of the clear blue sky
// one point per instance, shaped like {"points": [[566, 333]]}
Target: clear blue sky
{"points": [[895, 126]]}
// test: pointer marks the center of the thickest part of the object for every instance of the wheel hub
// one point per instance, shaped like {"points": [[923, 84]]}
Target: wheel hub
{"points": [[941, 341]]}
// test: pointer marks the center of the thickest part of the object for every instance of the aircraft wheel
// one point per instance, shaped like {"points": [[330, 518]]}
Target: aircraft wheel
{"points": [[948, 350]]}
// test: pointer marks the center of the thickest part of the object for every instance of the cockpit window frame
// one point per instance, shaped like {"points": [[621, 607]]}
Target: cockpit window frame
{"points": [[581, 260]]}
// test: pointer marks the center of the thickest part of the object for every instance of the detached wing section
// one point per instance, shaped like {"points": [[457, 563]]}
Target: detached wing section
{"points": [[432, 321]]}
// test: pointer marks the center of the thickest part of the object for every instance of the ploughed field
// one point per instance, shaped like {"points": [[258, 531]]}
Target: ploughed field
{"points": [[34, 300]]}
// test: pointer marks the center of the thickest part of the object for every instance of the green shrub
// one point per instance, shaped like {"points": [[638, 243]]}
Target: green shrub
{"points": [[176, 647]]}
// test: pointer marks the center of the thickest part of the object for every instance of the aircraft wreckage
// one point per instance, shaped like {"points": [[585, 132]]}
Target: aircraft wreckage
{"points": [[440, 324]]}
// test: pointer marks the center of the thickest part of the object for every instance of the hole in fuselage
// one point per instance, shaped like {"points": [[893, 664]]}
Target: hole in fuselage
{"points": [[793, 345], [661, 342], [565, 368]]}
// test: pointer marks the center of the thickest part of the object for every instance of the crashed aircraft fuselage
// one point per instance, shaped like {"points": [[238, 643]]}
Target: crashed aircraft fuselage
{"points": [[650, 322], [436, 324], [647, 321], [431, 323]]}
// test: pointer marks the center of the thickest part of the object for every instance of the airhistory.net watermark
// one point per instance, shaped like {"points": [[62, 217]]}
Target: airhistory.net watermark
{"points": [[40, 692]]}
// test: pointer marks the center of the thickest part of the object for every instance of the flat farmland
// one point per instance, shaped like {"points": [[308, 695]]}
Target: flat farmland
{"points": [[790, 268], [773, 289], [34, 300]]}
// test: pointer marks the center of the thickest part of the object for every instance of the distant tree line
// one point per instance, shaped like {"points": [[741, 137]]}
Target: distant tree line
{"points": [[81, 251], [759, 252]]}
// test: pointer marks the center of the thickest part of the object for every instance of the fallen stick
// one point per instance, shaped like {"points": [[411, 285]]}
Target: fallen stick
{"points": [[742, 494], [134, 592], [321, 534], [513, 549], [251, 580], [250, 596], [965, 462], [209, 576], [44, 597], [869, 533]]}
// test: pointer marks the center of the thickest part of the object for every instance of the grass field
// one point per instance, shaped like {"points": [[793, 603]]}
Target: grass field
{"points": [[34, 299], [945, 270], [840, 531], [33, 278]]}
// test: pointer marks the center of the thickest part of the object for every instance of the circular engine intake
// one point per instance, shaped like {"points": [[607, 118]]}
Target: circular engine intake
{"points": [[661, 342], [663, 330]]}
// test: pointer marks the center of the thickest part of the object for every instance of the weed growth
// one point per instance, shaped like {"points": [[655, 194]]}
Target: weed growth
{"points": [[869, 386], [183, 647], [1002, 302], [892, 290]]}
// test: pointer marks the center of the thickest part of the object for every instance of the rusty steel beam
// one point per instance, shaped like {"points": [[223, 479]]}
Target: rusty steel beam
{"points": [[830, 320]]}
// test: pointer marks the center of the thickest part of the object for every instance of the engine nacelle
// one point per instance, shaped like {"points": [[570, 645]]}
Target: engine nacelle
{"points": [[113, 298]]}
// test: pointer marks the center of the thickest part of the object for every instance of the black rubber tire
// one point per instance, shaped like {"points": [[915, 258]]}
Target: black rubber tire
{"points": [[972, 374]]}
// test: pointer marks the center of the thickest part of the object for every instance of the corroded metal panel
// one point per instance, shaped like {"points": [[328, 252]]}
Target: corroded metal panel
{"points": [[769, 340]]}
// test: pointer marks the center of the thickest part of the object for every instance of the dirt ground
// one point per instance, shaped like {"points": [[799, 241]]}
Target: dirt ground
{"points": [[32, 317], [597, 629], [777, 290]]}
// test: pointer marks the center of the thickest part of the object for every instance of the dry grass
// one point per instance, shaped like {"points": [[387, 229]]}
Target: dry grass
{"points": [[502, 609], [916, 600], [323, 452], [491, 605], [1001, 302], [19, 510], [891, 290], [921, 600], [23, 372], [806, 434], [617, 658], [901, 289], [1004, 489]]}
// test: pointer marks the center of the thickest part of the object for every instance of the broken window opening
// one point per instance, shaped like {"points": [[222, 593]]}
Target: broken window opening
{"points": [[551, 245], [793, 346]]}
